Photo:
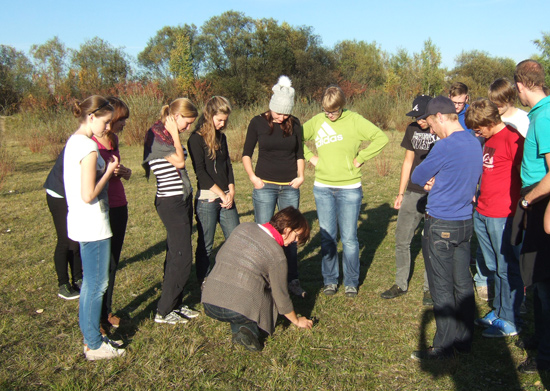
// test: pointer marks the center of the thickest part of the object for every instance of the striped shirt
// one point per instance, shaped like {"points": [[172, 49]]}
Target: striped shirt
{"points": [[169, 178]]}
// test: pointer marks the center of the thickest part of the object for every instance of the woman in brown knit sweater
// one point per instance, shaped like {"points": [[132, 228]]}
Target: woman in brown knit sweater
{"points": [[247, 286]]}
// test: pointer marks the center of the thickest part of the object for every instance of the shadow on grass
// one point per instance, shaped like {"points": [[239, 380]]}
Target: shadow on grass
{"points": [[489, 365], [371, 233], [156, 249]]}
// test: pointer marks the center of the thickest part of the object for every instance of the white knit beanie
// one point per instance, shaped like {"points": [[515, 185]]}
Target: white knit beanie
{"points": [[282, 100]]}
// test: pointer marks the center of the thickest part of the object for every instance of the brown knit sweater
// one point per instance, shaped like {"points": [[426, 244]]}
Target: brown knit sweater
{"points": [[250, 277]]}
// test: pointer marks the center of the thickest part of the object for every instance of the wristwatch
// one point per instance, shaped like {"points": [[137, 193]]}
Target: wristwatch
{"points": [[524, 203]]}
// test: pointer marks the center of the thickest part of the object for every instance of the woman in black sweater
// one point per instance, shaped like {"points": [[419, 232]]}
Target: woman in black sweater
{"points": [[214, 200]]}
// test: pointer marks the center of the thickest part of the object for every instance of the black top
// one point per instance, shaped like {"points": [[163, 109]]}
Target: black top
{"points": [[277, 155], [420, 141], [54, 181], [208, 171]]}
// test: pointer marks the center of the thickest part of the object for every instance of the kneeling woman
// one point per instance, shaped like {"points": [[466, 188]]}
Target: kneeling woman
{"points": [[247, 286]]}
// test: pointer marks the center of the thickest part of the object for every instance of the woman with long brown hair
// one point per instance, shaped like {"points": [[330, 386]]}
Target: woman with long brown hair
{"points": [[215, 182]]}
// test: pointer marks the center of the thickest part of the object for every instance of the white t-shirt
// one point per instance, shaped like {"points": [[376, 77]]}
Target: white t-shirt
{"points": [[85, 222], [518, 120]]}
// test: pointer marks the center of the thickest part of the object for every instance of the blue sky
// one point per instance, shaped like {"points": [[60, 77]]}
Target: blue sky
{"points": [[504, 28]]}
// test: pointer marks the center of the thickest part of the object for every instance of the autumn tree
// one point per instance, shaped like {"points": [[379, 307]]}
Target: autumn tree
{"points": [[361, 62], [15, 78], [478, 70], [100, 66], [155, 58], [181, 64], [51, 59]]}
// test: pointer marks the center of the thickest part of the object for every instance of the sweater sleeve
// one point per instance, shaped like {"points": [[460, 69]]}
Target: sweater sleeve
{"points": [[299, 139], [430, 166], [251, 138], [229, 165], [279, 287], [198, 158], [370, 132], [307, 134]]}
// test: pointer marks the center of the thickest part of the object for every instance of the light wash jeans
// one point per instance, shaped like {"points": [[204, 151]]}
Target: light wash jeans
{"points": [[339, 209], [95, 266], [265, 200]]}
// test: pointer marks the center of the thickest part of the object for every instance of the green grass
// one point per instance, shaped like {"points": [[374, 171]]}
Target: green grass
{"points": [[356, 344]]}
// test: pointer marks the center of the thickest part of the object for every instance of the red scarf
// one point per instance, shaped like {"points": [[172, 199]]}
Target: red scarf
{"points": [[276, 235]]}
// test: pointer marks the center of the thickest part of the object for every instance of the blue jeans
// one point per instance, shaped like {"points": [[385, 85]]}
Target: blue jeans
{"points": [[451, 286], [95, 264], [494, 238], [281, 196], [410, 214], [339, 208], [208, 214], [235, 319]]}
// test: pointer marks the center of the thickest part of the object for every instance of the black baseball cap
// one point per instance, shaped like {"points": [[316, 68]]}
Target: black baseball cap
{"points": [[419, 106], [440, 104]]}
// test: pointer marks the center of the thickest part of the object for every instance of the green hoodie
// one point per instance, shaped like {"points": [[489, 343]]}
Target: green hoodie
{"points": [[338, 144]]}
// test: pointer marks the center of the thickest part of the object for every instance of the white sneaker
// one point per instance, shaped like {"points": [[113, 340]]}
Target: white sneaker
{"points": [[171, 318], [116, 343], [187, 312], [106, 351]]}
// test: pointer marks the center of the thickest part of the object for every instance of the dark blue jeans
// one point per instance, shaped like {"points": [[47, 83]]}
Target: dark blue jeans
{"points": [[235, 319], [541, 301], [265, 200], [450, 281], [208, 215]]}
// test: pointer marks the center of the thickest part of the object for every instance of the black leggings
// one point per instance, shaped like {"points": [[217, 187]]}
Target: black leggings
{"points": [[67, 251], [118, 218]]}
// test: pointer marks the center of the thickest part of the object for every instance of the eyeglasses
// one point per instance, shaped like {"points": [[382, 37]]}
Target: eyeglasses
{"points": [[327, 113], [459, 104], [100, 107]]}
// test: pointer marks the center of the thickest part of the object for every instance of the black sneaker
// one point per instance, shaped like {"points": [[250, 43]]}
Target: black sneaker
{"points": [[427, 299], [393, 292], [247, 338], [431, 354], [532, 365], [67, 292]]}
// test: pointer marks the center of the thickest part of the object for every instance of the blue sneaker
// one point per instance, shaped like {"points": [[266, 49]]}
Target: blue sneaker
{"points": [[487, 320], [500, 328]]}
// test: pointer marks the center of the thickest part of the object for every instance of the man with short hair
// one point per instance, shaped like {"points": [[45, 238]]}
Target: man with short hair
{"points": [[450, 172], [458, 94], [535, 176], [411, 200], [496, 204]]}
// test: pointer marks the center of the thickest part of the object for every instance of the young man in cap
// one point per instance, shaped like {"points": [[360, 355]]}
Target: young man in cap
{"points": [[535, 253], [411, 199], [450, 173], [496, 205]]}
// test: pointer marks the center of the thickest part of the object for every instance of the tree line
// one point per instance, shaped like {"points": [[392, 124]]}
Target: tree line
{"points": [[241, 58]]}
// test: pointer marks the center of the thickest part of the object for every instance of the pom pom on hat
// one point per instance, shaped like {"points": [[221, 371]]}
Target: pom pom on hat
{"points": [[282, 100]]}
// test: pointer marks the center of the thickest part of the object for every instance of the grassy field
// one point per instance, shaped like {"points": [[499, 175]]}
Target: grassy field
{"points": [[356, 344]]}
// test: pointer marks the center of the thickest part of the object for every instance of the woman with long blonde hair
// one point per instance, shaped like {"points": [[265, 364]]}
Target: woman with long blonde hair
{"points": [[215, 181]]}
